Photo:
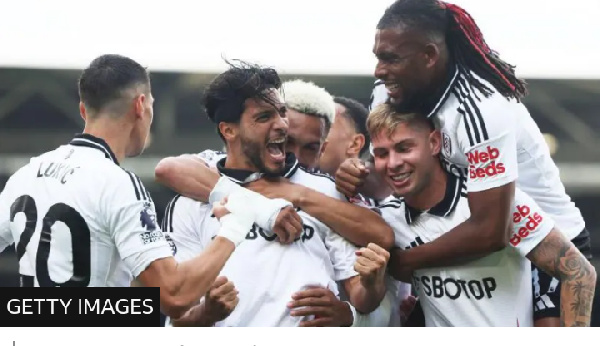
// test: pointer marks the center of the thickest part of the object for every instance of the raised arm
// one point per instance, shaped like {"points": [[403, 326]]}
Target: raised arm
{"points": [[355, 176], [367, 290]]}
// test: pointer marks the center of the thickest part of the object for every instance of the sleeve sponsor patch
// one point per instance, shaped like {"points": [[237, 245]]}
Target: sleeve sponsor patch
{"points": [[492, 164], [151, 236], [484, 163], [525, 223]]}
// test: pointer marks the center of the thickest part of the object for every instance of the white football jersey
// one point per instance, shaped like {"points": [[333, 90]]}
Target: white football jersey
{"points": [[78, 219], [265, 272], [492, 291], [494, 141]]}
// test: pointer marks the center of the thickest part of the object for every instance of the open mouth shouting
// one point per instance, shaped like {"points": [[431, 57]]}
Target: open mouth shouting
{"points": [[276, 149]]}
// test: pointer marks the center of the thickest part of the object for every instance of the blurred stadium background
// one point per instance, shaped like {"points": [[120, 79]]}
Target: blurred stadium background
{"points": [[38, 112]]}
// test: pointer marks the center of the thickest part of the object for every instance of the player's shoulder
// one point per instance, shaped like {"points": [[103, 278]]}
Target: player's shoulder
{"points": [[211, 157], [113, 182], [494, 102], [379, 94], [391, 208], [184, 214], [31, 167], [183, 204], [316, 180]]}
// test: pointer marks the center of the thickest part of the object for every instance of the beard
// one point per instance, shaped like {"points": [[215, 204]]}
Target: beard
{"points": [[253, 150]]}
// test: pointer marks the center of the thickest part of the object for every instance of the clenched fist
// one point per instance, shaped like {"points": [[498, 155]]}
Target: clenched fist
{"points": [[288, 225], [371, 263], [220, 300], [351, 176]]}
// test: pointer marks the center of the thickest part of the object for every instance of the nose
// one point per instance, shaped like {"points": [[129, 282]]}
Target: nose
{"points": [[281, 124], [380, 70], [395, 161]]}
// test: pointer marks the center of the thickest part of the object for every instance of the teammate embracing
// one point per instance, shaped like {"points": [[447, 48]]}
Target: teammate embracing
{"points": [[493, 290], [433, 60]]}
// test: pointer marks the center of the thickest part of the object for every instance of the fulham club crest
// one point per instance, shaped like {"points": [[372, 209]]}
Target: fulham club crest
{"points": [[446, 144]]}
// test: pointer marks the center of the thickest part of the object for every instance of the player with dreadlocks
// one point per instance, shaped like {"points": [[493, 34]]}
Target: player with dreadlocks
{"points": [[433, 60]]}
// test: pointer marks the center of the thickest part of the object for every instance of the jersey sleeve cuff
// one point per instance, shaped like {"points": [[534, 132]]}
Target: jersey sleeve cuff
{"points": [[341, 275], [145, 259], [477, 187], [525, 245]]}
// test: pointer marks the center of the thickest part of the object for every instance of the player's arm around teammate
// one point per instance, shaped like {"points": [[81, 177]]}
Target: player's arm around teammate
{"points": [[490, 212], [345, 218], [191, 177], [488, 228]]}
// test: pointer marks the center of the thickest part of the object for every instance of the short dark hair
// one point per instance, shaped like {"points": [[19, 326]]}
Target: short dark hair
{"points": [[464, 40], [357, 113], [107, 76], [225, 95]]}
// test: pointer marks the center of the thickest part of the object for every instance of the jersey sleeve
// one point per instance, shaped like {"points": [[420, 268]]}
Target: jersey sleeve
{"points": [[530, 224], [211, 157], [131, 222], [6, 238], [487, 137], [342, 255], [182, 225]]}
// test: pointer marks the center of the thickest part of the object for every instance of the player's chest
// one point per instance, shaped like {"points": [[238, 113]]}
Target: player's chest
{"points": [[312, 236]]}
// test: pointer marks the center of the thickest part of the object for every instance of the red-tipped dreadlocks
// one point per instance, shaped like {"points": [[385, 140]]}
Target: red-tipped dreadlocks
{"points": [[474, 35], [465, 42]]}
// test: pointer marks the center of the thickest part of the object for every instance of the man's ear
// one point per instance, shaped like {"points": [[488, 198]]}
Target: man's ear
{"points": [[435, 142], [356, 145], [323, 146], [228, 130], [82, 111], [138, 105], [432, 54]]}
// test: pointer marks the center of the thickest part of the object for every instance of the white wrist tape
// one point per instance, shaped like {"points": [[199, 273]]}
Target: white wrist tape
{"points": [[269, 210], [235, 227], [242, 200], [222, 189]]}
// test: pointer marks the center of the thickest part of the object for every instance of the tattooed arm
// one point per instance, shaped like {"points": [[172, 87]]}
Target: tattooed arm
{"points": [[558, 257]]}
